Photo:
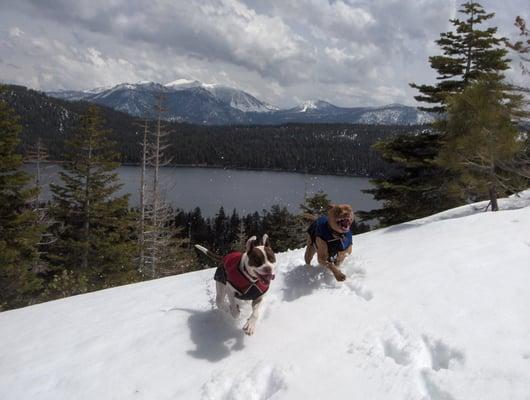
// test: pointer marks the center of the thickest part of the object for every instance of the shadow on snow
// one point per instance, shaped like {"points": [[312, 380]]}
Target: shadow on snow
{"points": [[214, 335]]}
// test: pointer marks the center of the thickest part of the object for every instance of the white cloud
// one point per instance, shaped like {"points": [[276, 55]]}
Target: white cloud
{"points": [[350, 52], [15, 32]]}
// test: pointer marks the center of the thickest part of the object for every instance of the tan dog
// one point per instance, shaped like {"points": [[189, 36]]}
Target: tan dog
{"points": [[330, 238]]}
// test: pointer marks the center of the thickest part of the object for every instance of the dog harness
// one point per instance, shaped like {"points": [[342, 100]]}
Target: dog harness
{"points": [[247, 288], [336, 241]]}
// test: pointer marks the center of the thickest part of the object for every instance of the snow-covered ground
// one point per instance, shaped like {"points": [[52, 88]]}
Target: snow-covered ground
{"points": [[437, 308]]}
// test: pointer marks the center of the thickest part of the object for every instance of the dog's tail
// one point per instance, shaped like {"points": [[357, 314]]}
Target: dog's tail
{"points": [[212, 256]]}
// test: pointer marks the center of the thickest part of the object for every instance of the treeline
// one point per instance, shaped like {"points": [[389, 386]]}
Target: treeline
{"points": [[315, 148], [229, 231]]}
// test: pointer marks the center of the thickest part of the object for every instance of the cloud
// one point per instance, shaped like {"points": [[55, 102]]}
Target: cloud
{"points": [[349, 52]]}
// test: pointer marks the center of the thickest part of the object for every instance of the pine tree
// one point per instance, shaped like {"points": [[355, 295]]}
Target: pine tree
{"points": [[419, 186], [93, 224], [481, 139], [469, 53], [19, 233], [220, 230], [283, 228], [234, 230], [316, 205]]}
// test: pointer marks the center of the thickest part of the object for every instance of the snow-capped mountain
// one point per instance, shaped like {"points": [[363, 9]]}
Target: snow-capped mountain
{"points": [[182, 101], [237, 99], [432, 309], [196, 102], [309, 106]]}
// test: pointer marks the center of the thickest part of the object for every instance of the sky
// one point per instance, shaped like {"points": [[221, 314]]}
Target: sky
{"points": [[347, 52]]}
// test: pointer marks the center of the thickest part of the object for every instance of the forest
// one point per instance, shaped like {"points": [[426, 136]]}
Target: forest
{"points": [[341, 149]]}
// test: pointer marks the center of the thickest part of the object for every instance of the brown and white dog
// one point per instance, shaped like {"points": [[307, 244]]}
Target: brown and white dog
{"points": [[330, 238], [244, 276]]}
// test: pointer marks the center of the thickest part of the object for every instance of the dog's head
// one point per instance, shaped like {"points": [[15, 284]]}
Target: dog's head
{"points": [[259, 259], [340, 217]]}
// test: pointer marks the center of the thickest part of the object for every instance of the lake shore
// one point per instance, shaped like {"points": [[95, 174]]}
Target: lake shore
{"points": [[224, 167]]}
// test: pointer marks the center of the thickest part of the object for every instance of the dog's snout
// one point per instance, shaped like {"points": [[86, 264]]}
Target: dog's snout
{"points": [[266, 269]]}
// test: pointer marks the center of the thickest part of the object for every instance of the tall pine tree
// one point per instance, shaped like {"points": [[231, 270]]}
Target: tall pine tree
{"points": [[19, 232], [93, 224], [419, 186], [468, 53]]}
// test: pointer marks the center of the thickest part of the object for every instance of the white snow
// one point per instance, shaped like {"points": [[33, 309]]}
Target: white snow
{"points": [[309, 105], [182, 84], [436, 309]]}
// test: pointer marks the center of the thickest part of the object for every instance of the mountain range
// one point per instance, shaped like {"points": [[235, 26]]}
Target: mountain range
{"points": [[200, 103]]}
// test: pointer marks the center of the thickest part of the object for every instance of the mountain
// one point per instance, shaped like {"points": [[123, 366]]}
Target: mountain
{"points": [[199, 103], [432, 309], [184, 101], [293, 147]]}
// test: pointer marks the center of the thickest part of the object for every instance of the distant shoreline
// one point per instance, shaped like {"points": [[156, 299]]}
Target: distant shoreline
{"points": [[210, 166]]}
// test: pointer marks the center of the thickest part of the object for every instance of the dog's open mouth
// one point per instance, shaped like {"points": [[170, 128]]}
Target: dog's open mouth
{"points": [[344, 224], [266, 278]]}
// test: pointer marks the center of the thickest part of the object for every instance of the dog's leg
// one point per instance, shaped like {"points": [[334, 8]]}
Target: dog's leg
{"points": [[250, 326], [322, 255], [234, 307], [220, 296], [339, 275], [309, 251]]}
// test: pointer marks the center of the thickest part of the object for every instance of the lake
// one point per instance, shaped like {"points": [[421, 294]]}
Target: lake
{"points": [[245, 191]]}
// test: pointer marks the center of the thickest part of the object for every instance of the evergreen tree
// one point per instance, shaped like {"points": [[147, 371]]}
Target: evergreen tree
{"points": [[234, 231], [220, 230], [283, 228], [93, 224], [419, 186], [469, 53], [252, 224], [316, 205], [19, 232], [200, 232], [481, 140]]}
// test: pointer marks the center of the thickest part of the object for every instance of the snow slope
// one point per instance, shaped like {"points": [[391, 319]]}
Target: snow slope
{"points": [[433, 309]]}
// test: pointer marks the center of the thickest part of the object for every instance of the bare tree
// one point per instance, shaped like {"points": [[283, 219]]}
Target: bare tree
{"points": [[141, 222], [37, 154], [157, 233]]}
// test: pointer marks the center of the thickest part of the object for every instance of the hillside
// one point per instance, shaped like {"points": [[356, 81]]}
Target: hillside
{"points": [[432, 309], [315, 148]]}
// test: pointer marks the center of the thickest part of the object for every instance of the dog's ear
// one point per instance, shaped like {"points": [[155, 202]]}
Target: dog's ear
{"points": [[331, 206], [265, 240], [251, 243]]}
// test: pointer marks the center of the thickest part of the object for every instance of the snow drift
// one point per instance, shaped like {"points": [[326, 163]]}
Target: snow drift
{"points": [[432, 309]]}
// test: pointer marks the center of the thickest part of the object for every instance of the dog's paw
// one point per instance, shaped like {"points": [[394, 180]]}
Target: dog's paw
{"points": [[250, 327], [340, 276], [234, 310], [222, 306]]}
